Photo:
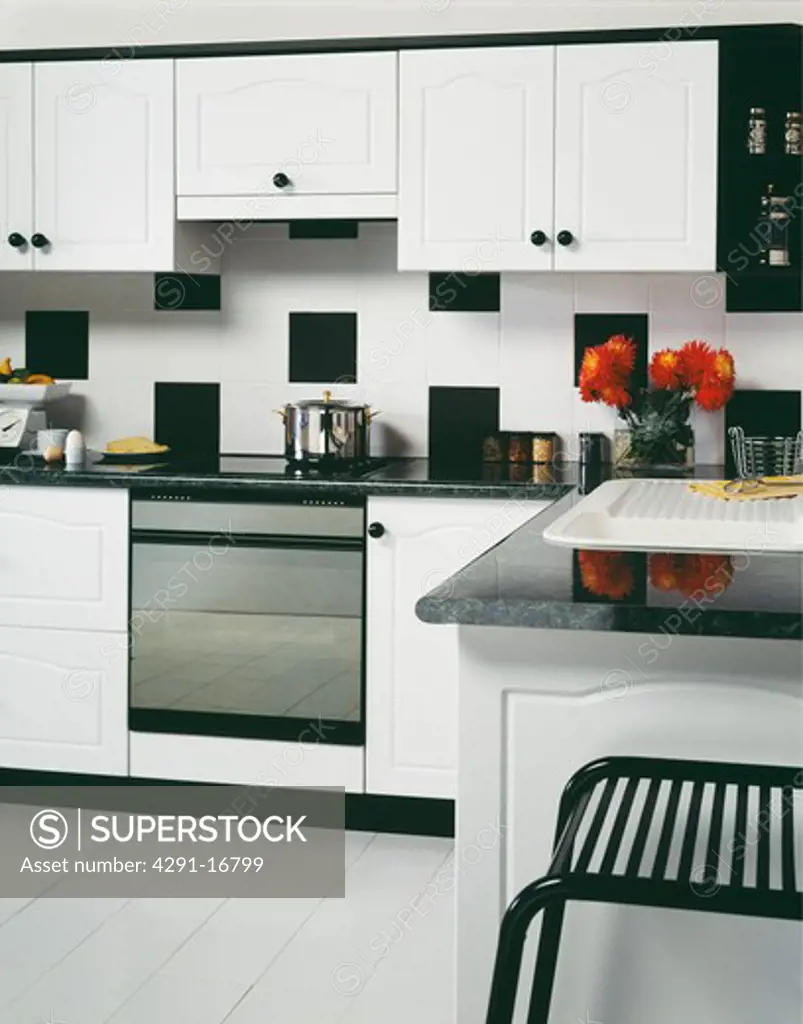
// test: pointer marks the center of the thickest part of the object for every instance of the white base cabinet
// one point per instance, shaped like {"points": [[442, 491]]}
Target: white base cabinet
{"points": [[535, 706], [411, 667], [64, 558], [64, 701], [64, 629]]}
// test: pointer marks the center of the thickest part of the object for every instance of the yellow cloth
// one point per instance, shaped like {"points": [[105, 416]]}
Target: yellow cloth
{"points": [[770, 487]]}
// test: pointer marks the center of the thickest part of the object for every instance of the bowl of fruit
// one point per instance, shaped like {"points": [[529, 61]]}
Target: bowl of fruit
{"points": [[23, 387]]}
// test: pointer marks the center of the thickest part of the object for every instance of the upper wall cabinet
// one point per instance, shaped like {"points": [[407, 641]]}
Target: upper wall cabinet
{"points": [[16, 166], [476, 160], [622, 176], [636, 157], [86, 149], [280, 128]]}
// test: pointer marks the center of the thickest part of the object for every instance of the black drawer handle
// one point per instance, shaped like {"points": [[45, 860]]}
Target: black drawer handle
{"points": [[538, 237], [16, 240], [39, 241], [565, 238], [376, 530], [280, 180]]}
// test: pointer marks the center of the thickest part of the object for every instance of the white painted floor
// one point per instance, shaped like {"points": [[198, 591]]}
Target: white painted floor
{"points": [[384, 954]]}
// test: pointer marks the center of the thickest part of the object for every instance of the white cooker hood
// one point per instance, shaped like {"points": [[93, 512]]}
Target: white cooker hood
{"points": [[664, 515]]}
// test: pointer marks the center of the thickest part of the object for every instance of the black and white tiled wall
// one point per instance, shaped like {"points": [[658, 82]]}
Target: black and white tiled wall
{"points": [[202, 363]]}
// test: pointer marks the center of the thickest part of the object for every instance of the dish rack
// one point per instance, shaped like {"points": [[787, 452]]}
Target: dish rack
{"points": [[759, 457]]}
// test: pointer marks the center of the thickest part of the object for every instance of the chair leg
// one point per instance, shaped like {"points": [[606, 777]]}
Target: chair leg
{"points": [[545, 964], [548, 894]]}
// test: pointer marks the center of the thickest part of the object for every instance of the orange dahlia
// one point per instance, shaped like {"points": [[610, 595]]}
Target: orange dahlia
{"points": [[606, 573], [605, 372], [718, 382], [696, 360], [666, 369]]}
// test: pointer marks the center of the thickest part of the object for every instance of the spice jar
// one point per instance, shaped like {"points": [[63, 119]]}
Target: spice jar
{"points": [[544, 447], [519, 447], [493, 448], [776, 219], [793, 133], [757, 131]]}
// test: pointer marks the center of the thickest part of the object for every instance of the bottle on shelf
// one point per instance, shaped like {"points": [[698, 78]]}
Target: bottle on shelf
{"points": [[757, 131], [793, 133], [776, 220]]}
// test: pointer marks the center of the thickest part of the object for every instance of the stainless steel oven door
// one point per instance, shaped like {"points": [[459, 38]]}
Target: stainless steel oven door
{"points": [[247, 620]]}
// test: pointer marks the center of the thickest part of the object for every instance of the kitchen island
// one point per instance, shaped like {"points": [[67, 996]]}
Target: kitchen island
{"points": [[566, 656]]}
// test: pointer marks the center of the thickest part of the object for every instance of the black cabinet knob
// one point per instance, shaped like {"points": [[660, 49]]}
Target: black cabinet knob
{"points": [[280, 180], [565, 238], [376, 530], [39, 241], [16, 240], [538, 238]]}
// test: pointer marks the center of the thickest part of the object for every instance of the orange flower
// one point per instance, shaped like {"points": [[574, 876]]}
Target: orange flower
{"points": [[663, 574], [718, 382], [696, 359], [605, 372], [690, 574], [606, 573], [665, 369]]}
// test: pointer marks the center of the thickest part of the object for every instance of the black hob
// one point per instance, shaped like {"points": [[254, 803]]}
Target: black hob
{"points": [[277, 466]]}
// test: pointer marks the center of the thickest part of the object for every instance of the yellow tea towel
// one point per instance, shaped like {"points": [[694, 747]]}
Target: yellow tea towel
{"points": [[768, 488]]}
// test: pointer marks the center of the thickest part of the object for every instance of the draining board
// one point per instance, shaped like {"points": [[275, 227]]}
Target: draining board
{"points": [[664, 515]]}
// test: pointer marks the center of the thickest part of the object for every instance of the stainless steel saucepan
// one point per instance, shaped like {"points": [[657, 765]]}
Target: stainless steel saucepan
{"points": [[321, 429]]}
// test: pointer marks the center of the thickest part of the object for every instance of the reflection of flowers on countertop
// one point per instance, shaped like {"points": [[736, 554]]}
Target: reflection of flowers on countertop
{"points": [[606, 573], [709, 575]]}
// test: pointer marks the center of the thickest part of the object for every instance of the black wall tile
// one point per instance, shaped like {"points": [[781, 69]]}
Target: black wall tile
{"points": [[186, 291], [459, 420], [459, 293], [187, 418], [57, 342], [761, 413], [323, 229], [323, 347], [595, 328]]}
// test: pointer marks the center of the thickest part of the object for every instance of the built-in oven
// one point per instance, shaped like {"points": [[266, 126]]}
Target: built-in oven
{"points": [[247, 616]]}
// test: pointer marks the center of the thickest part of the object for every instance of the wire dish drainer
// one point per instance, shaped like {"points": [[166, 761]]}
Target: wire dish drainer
{"points": [[757, 458]]}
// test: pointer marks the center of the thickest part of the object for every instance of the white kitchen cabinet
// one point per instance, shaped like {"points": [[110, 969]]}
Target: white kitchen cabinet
{"points": [[63, 701], [608, 151], [538, 704], [16, 166], [104, 166], [636, 157], [476, 158], [283, 127], [411, 667], [64, 558]]}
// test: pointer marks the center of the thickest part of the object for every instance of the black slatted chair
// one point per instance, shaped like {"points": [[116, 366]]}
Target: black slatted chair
{"points": [[620, 797]]}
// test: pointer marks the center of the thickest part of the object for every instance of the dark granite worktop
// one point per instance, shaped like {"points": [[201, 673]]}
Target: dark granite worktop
{"points": [[414, 477], [526, 582]]}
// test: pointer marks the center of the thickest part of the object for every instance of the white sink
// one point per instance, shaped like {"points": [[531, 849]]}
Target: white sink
{"points": [[664, 515]]}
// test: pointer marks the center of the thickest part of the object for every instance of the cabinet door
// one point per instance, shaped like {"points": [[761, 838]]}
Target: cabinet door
{"points": [[476, 158], [636, 156], [327, 122], [64, 558], [104, 187], [16, 159], [64, 701], [411, 667]]}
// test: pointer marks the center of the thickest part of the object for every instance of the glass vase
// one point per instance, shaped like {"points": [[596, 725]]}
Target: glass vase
{"points": [[630, 452]]}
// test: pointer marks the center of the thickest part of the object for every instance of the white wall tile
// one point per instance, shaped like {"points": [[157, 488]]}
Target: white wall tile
{"points": [[767, 349], [249, 420], [105, 411], [537, 353], [462, 349], [684, 307], [611, 293]]}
